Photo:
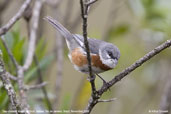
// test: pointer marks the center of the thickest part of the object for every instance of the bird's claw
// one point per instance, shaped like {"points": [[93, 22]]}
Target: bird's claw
{"points": [[90, 78]]}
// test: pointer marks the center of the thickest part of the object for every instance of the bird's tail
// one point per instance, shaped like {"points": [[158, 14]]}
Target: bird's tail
{"points": [[59, 27]]}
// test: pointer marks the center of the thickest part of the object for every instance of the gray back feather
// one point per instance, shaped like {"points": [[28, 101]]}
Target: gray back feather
{"points": [[93, 43], [75, 40]]}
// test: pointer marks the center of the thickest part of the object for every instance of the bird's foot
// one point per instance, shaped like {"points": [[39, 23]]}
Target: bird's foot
{"points": [[90, 78]]}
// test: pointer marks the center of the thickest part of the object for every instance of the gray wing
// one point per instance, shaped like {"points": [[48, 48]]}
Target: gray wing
{"points": [[93, 43], [74, 40]]}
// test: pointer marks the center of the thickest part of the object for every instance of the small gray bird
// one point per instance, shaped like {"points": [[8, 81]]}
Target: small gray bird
{"points": [[104, 55]]}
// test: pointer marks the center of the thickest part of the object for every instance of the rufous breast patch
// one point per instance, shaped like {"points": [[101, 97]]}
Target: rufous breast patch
{"points": [[79, 59]]}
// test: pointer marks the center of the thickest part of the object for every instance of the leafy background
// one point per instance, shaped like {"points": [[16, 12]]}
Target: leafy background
{"points": [[135, 26]]}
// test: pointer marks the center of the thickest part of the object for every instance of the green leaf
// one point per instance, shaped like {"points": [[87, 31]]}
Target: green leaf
{"points": [[118, 31], [30, 75], [4, 52], [148, 3], [18, 50], [3, 99], [41, 48]]}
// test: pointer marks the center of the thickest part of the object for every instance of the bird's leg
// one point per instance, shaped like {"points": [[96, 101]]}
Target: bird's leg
{"points": [[101, 78], [104, 82]]}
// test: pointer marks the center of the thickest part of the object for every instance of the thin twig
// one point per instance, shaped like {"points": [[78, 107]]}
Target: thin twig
{"points": [[37, 86], [33, 35], [127, 71], [16, 17], [40, 80], [73, 25], [91, 2], [60, 50], [84, 13], [12, 77], [60, 60], [30, 53], [108, 100], [135, 65], [28, 15], [97, 94], [22, 94]]}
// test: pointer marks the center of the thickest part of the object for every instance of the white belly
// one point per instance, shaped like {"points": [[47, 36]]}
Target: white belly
{"points": [[84, 69]]}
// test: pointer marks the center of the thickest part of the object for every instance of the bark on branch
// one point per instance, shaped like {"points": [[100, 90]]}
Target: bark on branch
{"points": [[127, 71], [8, 86], [85, 4], [16, 17], [84, 13]]}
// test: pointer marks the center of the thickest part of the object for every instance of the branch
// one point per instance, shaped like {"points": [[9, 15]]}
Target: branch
{"points": [[60, 50], [97, 94], [94, 96], [27, 17], [40, 80], [16, 17], [108, 100], [12, 77], [91, 2], [8, 86], [74, 24], [37, 86], [60, 61], [135, 65], [30, 53], [33, 35], [84, 13], [127, 71]]}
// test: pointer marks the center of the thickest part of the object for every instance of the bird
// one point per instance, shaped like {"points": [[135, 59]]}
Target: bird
{"points": [[104, 55]]}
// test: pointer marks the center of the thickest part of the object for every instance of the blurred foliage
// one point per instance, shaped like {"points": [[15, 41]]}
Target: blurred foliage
{"points": [[117, 31], [141, 26], [3, 98], [151, 11], [18, 47], [156, 16], [83, 95], [66, 102]]}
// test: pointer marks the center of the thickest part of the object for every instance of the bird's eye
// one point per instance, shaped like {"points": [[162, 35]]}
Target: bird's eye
{"points": [[110, 54]]}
